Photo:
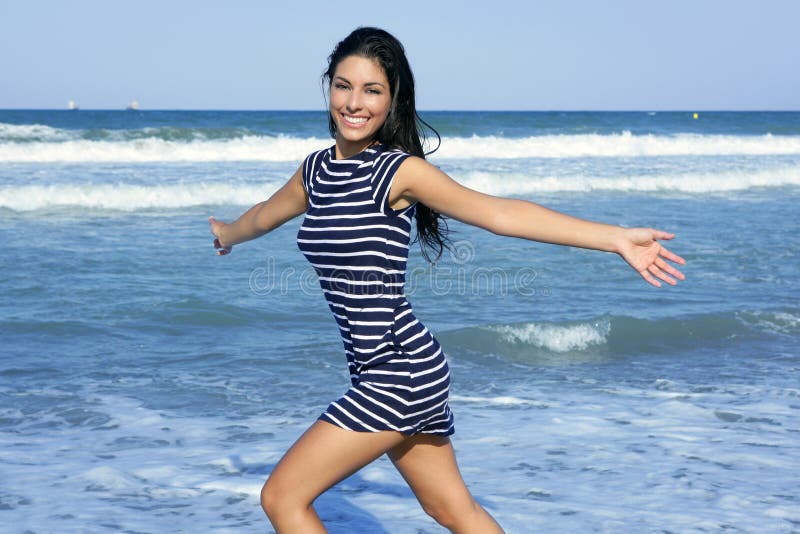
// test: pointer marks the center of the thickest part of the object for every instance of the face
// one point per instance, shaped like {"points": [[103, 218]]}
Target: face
{"points": [[359, 103]]}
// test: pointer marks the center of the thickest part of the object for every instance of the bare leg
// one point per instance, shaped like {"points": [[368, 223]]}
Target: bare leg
{"points": [[323, 456], [428, 464]]}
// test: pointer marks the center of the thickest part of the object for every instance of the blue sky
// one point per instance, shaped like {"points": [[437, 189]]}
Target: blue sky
{"points": [[493, 54]]}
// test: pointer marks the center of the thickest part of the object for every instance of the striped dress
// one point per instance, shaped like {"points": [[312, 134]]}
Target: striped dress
{"points": [[358, 246]]}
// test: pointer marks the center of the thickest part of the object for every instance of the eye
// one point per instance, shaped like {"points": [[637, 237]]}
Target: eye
{"points": [[340, 86], [374, 91]]}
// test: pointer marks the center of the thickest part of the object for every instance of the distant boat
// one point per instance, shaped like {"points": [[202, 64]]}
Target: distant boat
{"points": [[73, 105], [133, 106]]}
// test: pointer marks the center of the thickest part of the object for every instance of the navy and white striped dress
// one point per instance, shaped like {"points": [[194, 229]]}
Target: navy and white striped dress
{"points": [[358, 246]]}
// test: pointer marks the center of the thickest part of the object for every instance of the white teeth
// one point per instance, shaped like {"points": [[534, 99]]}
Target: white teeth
{"points": [[355, 120]]}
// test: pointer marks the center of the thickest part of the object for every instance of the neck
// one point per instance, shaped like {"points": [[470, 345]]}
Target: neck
{"points": [[346, 149]]}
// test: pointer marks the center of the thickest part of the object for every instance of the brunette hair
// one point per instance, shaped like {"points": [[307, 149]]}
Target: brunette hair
{"points": [[403, 128]]}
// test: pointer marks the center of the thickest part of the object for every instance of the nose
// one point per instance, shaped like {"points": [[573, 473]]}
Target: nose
{"points": [[353, 101]]}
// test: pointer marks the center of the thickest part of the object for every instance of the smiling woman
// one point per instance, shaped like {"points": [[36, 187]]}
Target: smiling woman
{"points": [[359, 197], [359, 103]]}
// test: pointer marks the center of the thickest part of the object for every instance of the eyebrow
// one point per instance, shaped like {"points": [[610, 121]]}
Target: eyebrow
{"points": [[342, 78]]}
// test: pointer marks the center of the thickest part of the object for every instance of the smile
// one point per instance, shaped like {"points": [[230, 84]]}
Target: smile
{"points": [[354, 120]]}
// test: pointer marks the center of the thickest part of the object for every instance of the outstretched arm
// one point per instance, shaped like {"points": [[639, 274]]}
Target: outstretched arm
{"points": [[286, 203], [418, 180]]}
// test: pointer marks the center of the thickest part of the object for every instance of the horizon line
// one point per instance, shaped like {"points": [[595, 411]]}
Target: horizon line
{"points": [[543, 110]]}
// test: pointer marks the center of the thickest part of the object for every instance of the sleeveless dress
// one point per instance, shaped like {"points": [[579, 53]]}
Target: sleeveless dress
{"points": [[358, 245]]}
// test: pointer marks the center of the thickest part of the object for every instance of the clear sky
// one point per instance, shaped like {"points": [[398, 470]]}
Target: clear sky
{"points": [[490, 55]]}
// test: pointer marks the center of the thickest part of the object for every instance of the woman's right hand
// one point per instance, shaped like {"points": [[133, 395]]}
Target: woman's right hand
{"points": [[640, 247], [219, 244]]}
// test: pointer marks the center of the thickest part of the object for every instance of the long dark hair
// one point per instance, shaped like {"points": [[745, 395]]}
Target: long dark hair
{"points": [[403, 128]]}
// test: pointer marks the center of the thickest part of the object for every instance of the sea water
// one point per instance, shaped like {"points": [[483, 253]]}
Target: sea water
{"points": [[147, 385]]}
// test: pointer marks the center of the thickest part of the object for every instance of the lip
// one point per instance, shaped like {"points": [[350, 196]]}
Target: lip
{"points": [[349, 124]]}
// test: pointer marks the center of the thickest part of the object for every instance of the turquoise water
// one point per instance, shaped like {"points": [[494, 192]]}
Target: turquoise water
{"points": [[147, 385]]}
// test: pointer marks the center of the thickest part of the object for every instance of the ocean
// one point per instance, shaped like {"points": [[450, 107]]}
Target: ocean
{"points": [[147, 385]]}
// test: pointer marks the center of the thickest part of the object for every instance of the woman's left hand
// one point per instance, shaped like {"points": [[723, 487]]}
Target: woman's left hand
{"points": [[641, 249], [216, 229]]}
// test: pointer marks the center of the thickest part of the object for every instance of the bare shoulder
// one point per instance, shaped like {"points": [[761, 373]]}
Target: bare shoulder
{"points": [[414, 171], [415, 164], [413, 177], [417, 180]]}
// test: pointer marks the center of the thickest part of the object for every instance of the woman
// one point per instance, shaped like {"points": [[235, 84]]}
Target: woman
{"points": [[359, 197]]}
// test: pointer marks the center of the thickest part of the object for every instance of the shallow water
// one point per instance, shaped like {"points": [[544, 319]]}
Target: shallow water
{"points": [[147, 385]]}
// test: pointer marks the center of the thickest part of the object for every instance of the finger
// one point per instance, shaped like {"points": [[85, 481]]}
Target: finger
{"points": [[671, 256], [664, 266], [660, 234], [658, 273], [649, 278]]}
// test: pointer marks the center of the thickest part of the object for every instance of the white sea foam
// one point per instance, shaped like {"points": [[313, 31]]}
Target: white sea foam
{"points": [[26, 132], [126, 197], [37, 143], [123, 196], [249, 148], [556, 338], [521, 184], [615, 145], [502, 400], [778, 322], [106, 478], [661, 464]]}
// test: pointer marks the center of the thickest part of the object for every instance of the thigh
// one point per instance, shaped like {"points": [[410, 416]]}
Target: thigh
{"points": [[324, 455], [428, 464]]}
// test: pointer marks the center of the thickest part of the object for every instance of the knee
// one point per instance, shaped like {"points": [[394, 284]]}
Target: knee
{"points": [[269, 498], [274, 501], [452, 514]]}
